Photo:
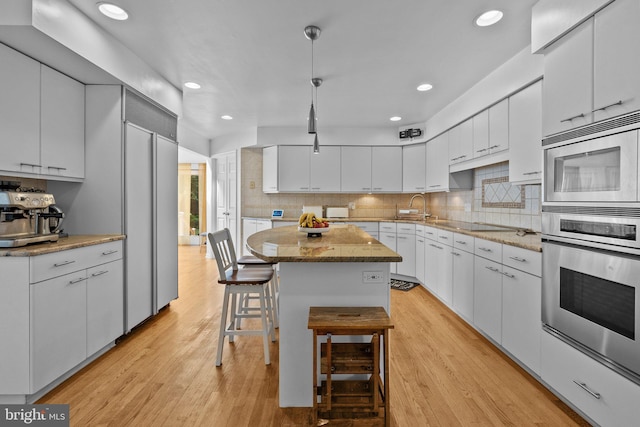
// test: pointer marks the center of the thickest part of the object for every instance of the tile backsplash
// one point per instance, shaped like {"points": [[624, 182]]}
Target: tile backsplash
{"points": [[465, 205]]}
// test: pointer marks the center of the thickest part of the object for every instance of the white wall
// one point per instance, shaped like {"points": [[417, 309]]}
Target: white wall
{"points": [[233, 142]]}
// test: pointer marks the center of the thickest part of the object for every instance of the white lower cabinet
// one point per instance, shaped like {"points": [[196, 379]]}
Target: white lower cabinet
{"points": [[463, 281], [601, 394], [439, 263], [487, 297], [388, 239], [58, 327], [105, 305], [521, 310], [406, 247], [420, 258], [251, 226]]}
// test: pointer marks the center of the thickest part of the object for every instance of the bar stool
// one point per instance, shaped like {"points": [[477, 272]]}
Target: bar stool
{"points": [[238, 283], [250, 261]]}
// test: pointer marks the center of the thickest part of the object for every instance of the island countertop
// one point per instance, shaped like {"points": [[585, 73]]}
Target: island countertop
{"points": [[341, 243]]}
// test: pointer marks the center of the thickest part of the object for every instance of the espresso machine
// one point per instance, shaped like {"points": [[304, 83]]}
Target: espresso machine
{"points": [[27, 216]]}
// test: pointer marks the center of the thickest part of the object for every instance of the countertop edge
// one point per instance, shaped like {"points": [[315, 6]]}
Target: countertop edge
{"points": [[63, 244]]}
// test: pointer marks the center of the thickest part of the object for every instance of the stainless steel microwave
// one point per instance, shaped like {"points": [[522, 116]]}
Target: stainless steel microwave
{"points": [[603, 169]]}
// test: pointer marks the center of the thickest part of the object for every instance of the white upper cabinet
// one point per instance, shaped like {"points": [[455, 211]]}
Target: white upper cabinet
{"points": [[61, 125], [437, 166], [616, 68], [591, 73], [461, 142], [525, 136], [295, 176], [568, 77], [480, 124], [19, 112], [325, 170], [356, 169], [270, 169], [386, 169], [499, 123], [41, 119], [414, 168]]}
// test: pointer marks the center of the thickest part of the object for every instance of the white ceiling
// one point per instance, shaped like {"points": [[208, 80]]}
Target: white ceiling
{"points": [[254, 62]]}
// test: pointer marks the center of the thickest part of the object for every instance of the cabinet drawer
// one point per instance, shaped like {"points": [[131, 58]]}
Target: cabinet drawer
{"points": [[445, 237], [522, 259], [463, 242], [387, 227], [603, 395], [406, 228], [420, 230], [430, 233], [56, 264], [488, 249]]}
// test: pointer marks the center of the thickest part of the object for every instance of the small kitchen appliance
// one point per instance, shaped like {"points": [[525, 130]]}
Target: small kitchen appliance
{"points": [[27, 216]]}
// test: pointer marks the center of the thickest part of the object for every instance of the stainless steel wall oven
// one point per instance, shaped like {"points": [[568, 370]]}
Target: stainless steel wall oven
{"points": [[591, 246]]}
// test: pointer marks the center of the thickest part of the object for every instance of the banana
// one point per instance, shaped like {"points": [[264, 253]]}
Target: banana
{"points": [[310, 217], [302, 221]]}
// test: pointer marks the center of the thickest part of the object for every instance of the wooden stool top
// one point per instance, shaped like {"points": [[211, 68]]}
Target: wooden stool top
{"points": [[349, 318]]}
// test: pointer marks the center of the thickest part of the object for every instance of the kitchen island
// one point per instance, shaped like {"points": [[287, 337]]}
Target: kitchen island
{"points": [[344, 267]]}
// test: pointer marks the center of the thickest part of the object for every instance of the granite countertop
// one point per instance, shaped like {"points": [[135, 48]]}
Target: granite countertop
{"points": [[509, 237], [63, 244], [342, 243]]}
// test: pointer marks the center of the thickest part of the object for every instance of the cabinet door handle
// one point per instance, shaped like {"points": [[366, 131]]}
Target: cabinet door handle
{"points": [[31, 164], [485, 249], [73, 282], [304, 188], [493, 146], [112, 251], [435, 186], [495, 270], [482, 150], [579, 116], [510, 276], [315, 188], [532, 173], [607, 106], [419, 188], [401, 237], [443, 237], [517, 258], [99, 273], [57, 167], [587, 389], [377, 188], [455, 253], [366, 188], [60, 264], [462, 242]]}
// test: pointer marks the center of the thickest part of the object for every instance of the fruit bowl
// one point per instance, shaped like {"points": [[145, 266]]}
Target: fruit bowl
{"points": [[313, 232]]}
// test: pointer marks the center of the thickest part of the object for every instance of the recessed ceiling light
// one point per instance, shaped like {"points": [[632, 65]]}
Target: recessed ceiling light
{"points": [[192, 85], [424, 87], [226, 117], [112, 11], [395, 118], [489, 18]]}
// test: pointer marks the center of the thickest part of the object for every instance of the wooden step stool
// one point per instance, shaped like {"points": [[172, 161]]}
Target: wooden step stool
{"points": [[351, 398]]}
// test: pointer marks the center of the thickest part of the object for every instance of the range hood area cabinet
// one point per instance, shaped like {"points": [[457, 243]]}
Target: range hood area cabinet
{"points": [[130, 188], [41, 120], [591, 74]]}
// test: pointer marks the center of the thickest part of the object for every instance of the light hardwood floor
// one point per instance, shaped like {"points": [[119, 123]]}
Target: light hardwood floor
{"points": [[443, 373]]}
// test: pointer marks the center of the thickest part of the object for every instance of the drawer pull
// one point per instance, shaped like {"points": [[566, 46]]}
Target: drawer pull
{"points": [[100, 273], [63, 263], [607, 106], [587, 389], [517, 258], [57, 167], [443, 237], [455, 253], [31, 164], [532, 173], [510, 276], [73, 282], [462, 242], [573, 117], [485, 249], [495, 270], [112, 251]]}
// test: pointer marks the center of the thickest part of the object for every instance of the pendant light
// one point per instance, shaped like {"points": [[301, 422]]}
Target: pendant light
{"points": [[312, 33]]}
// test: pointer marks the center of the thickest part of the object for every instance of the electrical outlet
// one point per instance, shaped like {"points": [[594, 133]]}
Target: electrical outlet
{"points": [[352, 205], [372, 277]]}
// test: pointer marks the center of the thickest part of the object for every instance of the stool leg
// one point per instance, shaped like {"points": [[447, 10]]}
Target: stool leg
{"points": [[223, 325], [270, 311], [234, 319], [265, 330], [274, 302]]}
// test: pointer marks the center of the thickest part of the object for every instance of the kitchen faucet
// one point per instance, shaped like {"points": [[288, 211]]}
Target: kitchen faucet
{"points": [[424, 205]]}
